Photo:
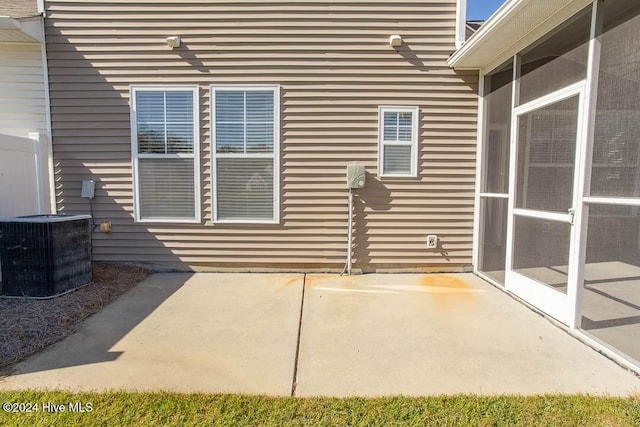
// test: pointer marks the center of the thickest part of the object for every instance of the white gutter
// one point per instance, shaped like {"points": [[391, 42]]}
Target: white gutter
{"points": [[513, 27]]}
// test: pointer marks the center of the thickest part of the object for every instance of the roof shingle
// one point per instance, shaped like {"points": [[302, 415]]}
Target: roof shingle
{"points": [[18, 8]]}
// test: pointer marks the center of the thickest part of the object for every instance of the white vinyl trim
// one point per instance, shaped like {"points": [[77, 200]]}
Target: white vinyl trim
{"points": [[482, 122], [530, 213], [133, 90], [620, 201], [543, 297], [488, 48], [552, 98], [461, 21], [275, 155], [551, 301], [584, 157], [35, 138], [415, 119], [495, 195], [608, 350], [53, 206], [513, 161]]}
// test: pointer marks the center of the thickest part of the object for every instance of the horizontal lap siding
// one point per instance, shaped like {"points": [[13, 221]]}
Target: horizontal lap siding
{"points": [[22, 96], [335, 67]]}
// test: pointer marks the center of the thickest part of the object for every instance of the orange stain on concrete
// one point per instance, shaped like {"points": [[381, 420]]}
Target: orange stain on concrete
{"points": [[461, 295], [290, 282], [443, 281]]}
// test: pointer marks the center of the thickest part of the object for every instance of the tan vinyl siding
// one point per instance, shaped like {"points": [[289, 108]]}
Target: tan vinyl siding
{"points": [[334, 67]]}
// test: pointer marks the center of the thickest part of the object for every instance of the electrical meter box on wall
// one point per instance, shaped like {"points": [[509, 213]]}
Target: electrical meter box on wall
{"points": [[355, 176], [88, 188]]}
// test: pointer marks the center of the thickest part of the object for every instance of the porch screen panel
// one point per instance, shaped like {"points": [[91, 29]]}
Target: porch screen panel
{"points": [[611, 296], [541, 251], [611, 287], [493, 237], [557, 61], [616, 152], [546, 153], [494, 182], [495, 157]]}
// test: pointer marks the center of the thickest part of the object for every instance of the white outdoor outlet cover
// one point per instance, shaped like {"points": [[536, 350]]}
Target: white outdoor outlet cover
{"points": [[432, 241]]}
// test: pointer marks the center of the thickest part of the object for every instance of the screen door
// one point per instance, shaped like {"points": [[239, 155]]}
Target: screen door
{"points": [[541, 219]]}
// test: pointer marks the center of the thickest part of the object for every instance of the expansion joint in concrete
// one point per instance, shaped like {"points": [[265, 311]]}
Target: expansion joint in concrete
{"points": [[294, 383]]}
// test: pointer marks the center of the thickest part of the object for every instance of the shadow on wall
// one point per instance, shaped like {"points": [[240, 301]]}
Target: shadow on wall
{"points": [[374, 197], [91, 135]]}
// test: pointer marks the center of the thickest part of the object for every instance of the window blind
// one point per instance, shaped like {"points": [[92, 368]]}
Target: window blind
{"points": [[164, 122], [245, 189], [166, 188], [244, 121], [397, 159], [398, 141], [165, 158], [245, 136]]}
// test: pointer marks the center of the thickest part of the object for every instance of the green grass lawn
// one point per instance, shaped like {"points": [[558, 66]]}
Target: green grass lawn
{"points": [[150, 409]]}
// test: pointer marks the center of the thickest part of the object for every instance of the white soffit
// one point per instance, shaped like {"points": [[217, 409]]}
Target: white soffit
{"points": [[17, 31], [514, 26]]}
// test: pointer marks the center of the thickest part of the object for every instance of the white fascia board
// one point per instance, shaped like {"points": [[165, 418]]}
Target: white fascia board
{"points": [[28, 30], [33, 28], [504, 34], [8, 23], [496, 20]]}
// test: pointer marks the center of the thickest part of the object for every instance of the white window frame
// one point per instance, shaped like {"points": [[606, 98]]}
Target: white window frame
{"points": [[413, 143], [274, 155], [135, 156]]}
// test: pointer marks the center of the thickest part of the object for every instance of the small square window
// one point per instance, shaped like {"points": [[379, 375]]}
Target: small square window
{"points": [[398, 141]]}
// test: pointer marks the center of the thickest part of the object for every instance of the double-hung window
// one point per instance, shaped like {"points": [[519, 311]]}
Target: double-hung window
{"points": [[398, 141], [245, 140], [165, 153]]}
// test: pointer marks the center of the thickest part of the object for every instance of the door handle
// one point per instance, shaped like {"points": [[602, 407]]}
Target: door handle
{"points": [[572, 214]]}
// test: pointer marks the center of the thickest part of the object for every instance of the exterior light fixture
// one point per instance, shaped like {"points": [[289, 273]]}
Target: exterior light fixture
{"points": [[173, 41], [395, 40]]}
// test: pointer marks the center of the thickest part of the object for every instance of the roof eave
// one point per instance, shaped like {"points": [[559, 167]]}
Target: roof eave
{"points": [[26, 30], [489, 47]]}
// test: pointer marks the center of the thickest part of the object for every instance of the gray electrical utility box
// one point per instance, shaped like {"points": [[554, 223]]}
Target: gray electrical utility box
{"points": [[88, 189], [355, 176]]}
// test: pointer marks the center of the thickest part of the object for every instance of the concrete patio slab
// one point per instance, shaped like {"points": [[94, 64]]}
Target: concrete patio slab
{"points": [[233, 333], [366, 335], [414, 334]]}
